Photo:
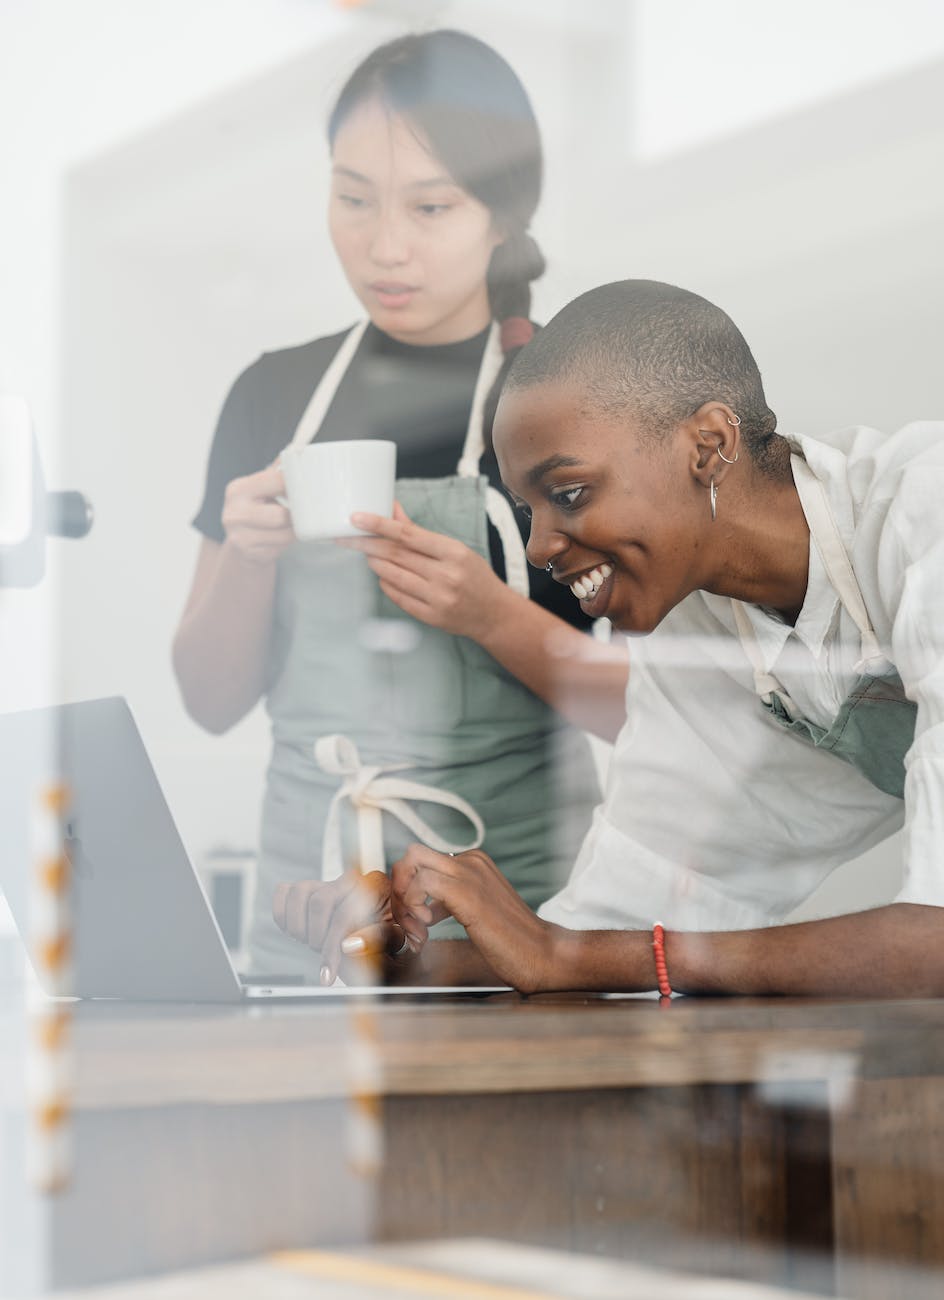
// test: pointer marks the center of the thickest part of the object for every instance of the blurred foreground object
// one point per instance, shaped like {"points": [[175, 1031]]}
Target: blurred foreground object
{"points": [[28, 514]]}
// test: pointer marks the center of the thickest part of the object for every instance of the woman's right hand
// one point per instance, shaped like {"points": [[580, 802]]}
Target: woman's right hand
{"points": [[258, 527], [431, 576]]}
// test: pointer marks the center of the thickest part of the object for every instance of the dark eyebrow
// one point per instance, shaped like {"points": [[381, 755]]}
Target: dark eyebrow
{"points": [[351, 174], [433, 182], [545, 466]]}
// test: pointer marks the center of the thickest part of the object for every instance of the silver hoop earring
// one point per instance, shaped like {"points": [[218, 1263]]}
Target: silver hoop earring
{"points": [[713, 500], [735, 420], [718, 449]]}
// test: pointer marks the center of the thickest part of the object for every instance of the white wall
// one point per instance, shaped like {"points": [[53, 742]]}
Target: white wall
{"points": [[172, 228], [74, 80]]}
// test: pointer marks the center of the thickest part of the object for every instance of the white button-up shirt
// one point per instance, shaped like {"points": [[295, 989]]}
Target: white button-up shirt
{"points": [[715, 817]]}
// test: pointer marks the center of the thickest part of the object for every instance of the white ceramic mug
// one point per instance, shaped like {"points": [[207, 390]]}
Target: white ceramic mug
{"points": [[325, 482]]}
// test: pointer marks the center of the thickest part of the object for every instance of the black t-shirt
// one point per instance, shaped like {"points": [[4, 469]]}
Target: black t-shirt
{"points": [[419, 397]]}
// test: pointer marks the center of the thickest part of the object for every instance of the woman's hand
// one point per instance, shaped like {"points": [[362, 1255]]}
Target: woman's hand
{"points": [[440, 581], [434, 578], [349, 921], [257, 525], [517, 945]]}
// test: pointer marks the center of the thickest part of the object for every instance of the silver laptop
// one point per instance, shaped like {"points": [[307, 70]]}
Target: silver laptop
{"points": [[143, 928]]}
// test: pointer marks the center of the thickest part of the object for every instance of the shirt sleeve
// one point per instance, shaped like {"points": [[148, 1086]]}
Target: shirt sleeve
{"points": [[911, 578], [232, 452]]}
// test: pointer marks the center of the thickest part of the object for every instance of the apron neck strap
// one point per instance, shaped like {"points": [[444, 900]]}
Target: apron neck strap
{"points": [[313, 416], [764, 683], [498, 507], [316, 410], [833, 553], [832, 550], [475, 435]]}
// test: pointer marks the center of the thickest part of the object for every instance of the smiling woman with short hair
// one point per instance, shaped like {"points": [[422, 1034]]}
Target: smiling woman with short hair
{"points": [[785, 706]]}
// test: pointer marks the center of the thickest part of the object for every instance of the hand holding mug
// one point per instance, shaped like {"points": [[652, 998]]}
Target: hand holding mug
{"points": [[434, 578], [327, 482], [256, 524]]}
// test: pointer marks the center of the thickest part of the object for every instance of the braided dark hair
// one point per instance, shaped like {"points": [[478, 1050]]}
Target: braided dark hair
{"points": [[472, 108]]}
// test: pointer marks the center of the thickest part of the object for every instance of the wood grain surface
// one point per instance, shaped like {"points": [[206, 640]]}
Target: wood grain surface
{"points": [[795, 1143]]}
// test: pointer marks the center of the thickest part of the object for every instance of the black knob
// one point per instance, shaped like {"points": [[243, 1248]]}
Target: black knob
{"points": [[68, 514]]}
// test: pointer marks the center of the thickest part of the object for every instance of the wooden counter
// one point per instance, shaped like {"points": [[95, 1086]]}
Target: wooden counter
{"points": [[795, 1142]]}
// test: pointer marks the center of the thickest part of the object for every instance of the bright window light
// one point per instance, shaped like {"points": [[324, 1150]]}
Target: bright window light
{"points": [[710, 68]]}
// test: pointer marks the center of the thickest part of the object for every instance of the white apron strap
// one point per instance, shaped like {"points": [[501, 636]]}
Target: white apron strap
{"points": [[497, 505], [372, 794], [474, 435], [838, 566], [835, 559], [314, 413], [502, 515], [764, 683]]}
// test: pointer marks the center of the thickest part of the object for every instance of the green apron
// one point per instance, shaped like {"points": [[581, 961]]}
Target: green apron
{"points": [[874, 728], [386, 731]]}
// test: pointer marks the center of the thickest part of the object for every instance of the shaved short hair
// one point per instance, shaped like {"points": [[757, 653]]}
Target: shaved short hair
{"points": [[659, 352]]}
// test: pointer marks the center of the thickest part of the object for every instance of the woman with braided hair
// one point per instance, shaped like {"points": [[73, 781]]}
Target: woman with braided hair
{"points": [[423, 664]]}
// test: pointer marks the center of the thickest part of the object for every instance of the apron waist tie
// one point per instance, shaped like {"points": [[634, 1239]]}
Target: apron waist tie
{"points": [[371, 795]]}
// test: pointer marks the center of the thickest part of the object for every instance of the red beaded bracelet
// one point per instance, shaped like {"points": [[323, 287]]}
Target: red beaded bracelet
{"points": [[662, 971]]}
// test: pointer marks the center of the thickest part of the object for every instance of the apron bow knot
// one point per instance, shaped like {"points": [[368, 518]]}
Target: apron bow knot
{"points": [[372, 794], [339, 756]]}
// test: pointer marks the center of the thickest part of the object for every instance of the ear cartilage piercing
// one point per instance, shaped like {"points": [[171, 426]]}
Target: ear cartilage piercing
{"points": [[718, 449]]}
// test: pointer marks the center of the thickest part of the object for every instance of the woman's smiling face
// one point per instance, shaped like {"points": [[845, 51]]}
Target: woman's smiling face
{"points": [[618, 516]]}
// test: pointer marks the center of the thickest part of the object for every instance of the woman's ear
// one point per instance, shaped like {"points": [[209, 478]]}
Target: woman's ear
{"points": [[714, 436]]}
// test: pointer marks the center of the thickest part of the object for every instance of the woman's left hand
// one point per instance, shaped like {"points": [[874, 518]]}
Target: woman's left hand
{"points": [[517, 945], [349, 921], [434, 578]]}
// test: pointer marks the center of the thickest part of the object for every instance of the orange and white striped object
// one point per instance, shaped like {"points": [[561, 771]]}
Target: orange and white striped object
{"points": [[49, 1067], [365, 1084]]}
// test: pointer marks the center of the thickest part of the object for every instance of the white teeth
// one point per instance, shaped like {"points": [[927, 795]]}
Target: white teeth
{"points": [[590, 583]]}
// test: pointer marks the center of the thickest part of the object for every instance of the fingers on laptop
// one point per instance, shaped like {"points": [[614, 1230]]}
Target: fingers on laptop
{"points": [[367, 904], [412, 906], [303, 908], [322, 914], [376, 951]]}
